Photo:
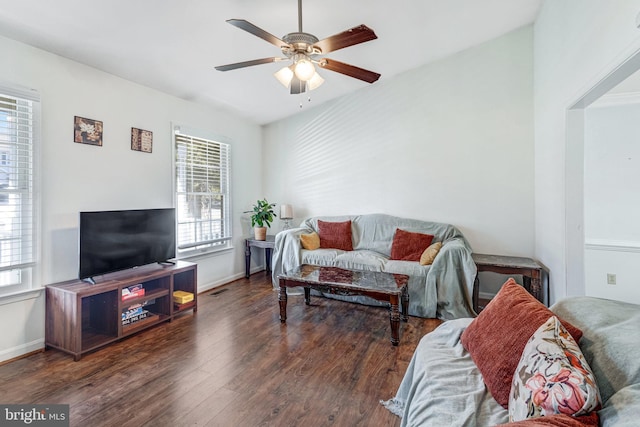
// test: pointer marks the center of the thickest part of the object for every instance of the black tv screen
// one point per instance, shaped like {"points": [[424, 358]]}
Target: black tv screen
{"points": [[118, 240]]}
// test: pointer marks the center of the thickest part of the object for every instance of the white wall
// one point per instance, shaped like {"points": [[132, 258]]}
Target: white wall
{"points": [[611, 203], [576, 44], [450, 141], [78, 177], [612, 172]]}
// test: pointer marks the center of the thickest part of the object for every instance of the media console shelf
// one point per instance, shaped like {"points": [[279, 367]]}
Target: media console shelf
{"points": [[81, 317]]}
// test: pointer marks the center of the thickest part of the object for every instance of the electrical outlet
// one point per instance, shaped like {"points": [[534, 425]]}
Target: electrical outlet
{"points": [[611, 279]]}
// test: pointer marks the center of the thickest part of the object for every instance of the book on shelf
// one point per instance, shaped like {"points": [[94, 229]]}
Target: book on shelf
{"points": [[149, 318], [134, 309], [135, 318], [182, 297], [133, 291], [180, 307]]}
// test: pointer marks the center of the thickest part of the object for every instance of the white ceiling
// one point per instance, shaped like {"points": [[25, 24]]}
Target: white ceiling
{"points": [[173, 46]]}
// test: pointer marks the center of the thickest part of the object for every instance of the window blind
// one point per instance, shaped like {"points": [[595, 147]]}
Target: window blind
{"points": [[202, 192], [18, 133]]}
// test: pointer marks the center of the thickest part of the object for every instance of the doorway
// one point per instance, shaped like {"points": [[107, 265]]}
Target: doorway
{"points": [[575, 170]]}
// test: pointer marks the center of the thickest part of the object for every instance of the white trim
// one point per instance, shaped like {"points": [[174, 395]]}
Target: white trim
{"points": [[19, 91], [574, 205], [21, 349], [20, 296], [616, 99], [612, 245], [198, 133], [193, 246], [621, 67], [196, 254]]}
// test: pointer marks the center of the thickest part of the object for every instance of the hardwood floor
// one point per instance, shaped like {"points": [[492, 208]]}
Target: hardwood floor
{"points": [[232, 364]]}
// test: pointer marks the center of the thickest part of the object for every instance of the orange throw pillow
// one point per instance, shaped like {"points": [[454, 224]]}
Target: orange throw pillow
{"points": [[335, 235], [408, 246], [310, 241], [497, 337], [429, 254]]}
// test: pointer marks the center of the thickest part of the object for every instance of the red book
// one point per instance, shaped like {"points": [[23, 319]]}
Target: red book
{"points": [[132, 292]]}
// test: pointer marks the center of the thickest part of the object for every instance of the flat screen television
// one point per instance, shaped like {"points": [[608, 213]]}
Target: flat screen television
{"points": [[117, 240]]}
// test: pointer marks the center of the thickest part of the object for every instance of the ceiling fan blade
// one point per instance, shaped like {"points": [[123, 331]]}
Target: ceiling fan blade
{"points": [[349, 70], [353, 36], [257, 31], [297, 85], [247, 64]]}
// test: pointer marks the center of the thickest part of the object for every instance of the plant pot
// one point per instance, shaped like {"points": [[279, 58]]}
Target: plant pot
{"points": [[260, 233]]}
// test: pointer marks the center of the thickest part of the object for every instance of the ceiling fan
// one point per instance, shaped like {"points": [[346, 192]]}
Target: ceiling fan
{"points": [[304, 50]]}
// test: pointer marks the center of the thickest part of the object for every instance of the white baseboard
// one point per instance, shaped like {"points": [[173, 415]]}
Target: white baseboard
{"points": [[21, 349], [228, 279]]}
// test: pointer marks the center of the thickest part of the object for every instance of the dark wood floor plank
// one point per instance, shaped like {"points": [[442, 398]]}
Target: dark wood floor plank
{"points": [[232, 363]]}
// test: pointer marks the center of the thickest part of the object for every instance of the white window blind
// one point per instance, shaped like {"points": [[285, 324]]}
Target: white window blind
{"points": [[19, 124], [202, 192]]}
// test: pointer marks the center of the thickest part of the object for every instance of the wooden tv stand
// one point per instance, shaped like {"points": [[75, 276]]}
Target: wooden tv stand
{"points": [[81, 317]]}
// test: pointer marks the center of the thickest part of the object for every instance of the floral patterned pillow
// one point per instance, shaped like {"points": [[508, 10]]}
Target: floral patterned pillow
{"points": [[552, 377]]}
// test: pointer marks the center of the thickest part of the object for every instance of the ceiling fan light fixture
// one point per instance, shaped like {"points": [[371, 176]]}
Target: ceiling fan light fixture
{"points": [[304, 68], [284, 75], [315, 81]]}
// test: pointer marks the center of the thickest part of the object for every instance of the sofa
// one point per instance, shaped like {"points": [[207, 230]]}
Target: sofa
{"points": [[441, 289], [444, 384]]}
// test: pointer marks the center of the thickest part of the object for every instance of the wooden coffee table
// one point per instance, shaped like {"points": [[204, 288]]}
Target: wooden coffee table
{"points": [[387, 287]]}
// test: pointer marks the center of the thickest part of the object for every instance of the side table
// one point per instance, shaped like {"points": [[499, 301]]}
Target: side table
{"points": [[267, 245], [530, 270]]}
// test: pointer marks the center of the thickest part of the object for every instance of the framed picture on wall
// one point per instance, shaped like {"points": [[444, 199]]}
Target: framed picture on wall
{"points": [[141, 140], [87, 131]]}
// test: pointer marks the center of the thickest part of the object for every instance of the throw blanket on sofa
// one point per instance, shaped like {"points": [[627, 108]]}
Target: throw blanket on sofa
{"points": [[443, 387], [440, 290]]}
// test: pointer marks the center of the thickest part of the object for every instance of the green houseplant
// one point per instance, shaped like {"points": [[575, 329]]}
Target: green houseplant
{"points": [[261, 217]]}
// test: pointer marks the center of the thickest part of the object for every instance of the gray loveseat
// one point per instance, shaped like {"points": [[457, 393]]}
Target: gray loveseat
{"points": [[443, 386], [441, 290]]}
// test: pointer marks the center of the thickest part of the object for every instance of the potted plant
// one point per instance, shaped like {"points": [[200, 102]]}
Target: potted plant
{"points": [[261, 217]]}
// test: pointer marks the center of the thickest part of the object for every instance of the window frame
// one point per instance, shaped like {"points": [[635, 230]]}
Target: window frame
{"points": [[224, 243], [28, 286]]}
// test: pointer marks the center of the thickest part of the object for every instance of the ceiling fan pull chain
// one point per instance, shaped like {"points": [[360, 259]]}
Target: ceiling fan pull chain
{"points": [[301, 103]]}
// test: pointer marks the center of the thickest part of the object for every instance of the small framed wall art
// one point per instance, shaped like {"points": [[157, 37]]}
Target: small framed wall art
{"points": [[141, 140], [87, 131]]}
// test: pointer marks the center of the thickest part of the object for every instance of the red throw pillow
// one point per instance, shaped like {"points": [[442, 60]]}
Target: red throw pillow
{"points": [[497, 337], [408, 246], [335, 235]]}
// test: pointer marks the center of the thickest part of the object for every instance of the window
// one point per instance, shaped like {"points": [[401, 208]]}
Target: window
{"points": [[19, 128], [202, 193]]}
